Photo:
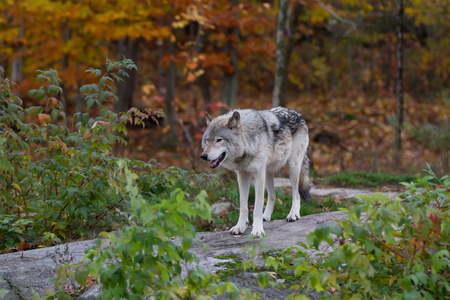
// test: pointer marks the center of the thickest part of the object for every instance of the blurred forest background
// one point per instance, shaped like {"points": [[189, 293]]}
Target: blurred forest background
{"points": [[336, 61]]}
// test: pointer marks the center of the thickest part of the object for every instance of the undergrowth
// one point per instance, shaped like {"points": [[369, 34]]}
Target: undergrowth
{"points": [[56, 181], [358, 179], [229, 192], [385, 249]]}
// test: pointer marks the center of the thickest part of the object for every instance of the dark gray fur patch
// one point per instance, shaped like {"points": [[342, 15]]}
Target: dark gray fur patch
{"points": [[265, 124], [288, 117], [304, 186]]}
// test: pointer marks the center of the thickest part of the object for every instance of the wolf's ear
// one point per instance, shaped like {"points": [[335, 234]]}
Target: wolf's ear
{"points": [[208, 118], [234, 121]]}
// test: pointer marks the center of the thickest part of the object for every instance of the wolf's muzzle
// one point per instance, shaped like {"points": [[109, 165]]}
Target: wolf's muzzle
{"points": [[204, 156]]}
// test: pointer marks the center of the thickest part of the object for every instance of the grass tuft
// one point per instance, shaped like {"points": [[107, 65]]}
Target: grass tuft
{"points": [[356, 179]]}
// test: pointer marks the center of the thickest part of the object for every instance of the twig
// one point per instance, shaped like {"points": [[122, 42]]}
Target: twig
{"points": [[339, 18], [189, 139]]}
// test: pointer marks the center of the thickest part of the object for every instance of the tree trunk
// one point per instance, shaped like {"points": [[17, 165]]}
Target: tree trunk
{"points": [[280, 54], [17, 65], [170, 139], [230, 80], [17, 69], [289, 47], [160, 44], [308, 56], [2, 68], [203, 81], [79, 98], [64, 65], [387, 67], [126, 89], [398, 129]]}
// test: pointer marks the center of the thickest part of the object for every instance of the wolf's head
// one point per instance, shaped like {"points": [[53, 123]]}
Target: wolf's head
{"points": [[219, 138]]}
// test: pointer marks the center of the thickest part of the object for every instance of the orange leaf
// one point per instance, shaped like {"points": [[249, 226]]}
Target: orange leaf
{"points": [[104, 123], [193, 65], [44, 118], [87, 134], [24, 246], [191, 78], [64, 147], [54, 101]]}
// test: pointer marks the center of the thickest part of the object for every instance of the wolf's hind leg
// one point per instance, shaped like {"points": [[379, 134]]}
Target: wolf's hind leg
{"points": [[260, 179], [270, 197], [244, 181], [294, 176]]}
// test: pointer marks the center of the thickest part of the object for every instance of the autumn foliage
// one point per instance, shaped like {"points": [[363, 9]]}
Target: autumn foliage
{"points": [[341, 74]]}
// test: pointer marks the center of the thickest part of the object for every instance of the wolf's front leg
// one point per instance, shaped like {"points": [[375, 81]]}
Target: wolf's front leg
{"points": [[258, 229], [244, 180]]}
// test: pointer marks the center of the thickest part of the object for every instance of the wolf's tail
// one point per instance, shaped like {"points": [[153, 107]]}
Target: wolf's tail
{"points": [[304, 186]]}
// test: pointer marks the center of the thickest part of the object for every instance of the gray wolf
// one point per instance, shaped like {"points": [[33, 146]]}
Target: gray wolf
{"points": [[256, 144]]}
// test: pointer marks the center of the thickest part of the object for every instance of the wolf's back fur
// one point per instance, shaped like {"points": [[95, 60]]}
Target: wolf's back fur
{"points": [[256, 144]]}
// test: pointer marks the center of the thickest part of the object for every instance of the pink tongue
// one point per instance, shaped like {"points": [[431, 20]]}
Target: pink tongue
{"points": [[213, 163]]}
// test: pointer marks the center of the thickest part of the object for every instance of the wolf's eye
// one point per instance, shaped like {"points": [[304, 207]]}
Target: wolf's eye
{"points": [[218, 140]]}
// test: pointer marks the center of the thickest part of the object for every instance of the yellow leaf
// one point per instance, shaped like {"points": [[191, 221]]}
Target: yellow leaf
{"points": [[391, 281], [17, 187]]}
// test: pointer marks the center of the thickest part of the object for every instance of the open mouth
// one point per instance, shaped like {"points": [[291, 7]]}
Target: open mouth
{"points": [[215, 163]]}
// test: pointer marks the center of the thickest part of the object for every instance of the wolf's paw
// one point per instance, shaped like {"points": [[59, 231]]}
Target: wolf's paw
{"points": [[258, 232], [238, 229], [293, 217], [266, 217]]}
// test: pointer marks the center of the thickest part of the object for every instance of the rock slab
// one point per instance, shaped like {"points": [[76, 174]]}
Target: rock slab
{"points": [[21, 273]]}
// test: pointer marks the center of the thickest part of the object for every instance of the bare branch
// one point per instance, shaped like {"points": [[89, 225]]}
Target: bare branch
{"points": [[339, 18]]}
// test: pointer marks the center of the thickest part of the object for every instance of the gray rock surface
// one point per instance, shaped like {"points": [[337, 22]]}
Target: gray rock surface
{"points": [[91, 294], [219, 207], [20, 274], [341, 193]]}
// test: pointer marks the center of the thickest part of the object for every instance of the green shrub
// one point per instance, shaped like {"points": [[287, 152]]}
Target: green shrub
{"points": [[386, 249], [55, 180], [144, 260]]}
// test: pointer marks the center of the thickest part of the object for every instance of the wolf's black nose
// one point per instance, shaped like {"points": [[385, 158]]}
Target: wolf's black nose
{"points": [[204, 156]]}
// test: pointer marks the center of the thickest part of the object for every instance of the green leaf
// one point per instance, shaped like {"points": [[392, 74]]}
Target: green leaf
{"points": [[13, 107], [358, 210], [186, 243], [32, 93], [103, 95], [263, 279], [336, 229], [84, 119], [40, 93], [323, 232], [90, 102], [55, 114], [222, 287]]}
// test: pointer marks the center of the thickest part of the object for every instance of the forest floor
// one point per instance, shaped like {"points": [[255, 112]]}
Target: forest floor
{"points": [[346, 133]]}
